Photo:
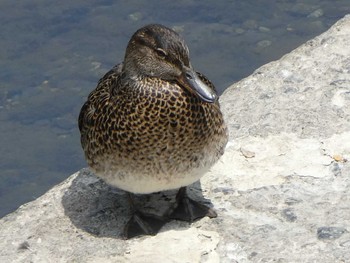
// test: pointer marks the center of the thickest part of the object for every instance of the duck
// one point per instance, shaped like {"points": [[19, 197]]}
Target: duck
{"points": [[153, 124]]}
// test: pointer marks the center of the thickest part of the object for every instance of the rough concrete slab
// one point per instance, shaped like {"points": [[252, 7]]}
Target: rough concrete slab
{"points": [[282, 189]]}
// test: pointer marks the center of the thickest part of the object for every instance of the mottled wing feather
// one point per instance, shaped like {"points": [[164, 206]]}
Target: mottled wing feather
{"points": [[102, 92]]}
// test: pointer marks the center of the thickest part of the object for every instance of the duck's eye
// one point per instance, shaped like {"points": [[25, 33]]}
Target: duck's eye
{"points": [[161, 52]]}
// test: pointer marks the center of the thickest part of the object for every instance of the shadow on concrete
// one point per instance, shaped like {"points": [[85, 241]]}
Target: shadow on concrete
{"points": [[103, 211]]}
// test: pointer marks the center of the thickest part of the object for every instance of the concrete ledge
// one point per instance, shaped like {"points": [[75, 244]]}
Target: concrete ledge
{"points": [[282, 189]]}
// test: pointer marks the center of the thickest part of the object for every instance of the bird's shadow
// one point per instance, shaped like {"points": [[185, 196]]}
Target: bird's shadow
{"points": [[103, 211]]}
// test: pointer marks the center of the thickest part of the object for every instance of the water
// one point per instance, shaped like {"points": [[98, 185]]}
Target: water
{"points": [[53, 53]]}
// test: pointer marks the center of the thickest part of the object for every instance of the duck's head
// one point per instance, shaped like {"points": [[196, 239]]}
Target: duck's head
{"points": [[157, 51]]}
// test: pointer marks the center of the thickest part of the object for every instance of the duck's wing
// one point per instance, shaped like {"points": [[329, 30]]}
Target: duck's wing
{"points": [[98, 96]]}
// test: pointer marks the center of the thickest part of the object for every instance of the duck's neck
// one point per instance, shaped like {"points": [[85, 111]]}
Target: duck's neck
{"points": [[131, 72]]}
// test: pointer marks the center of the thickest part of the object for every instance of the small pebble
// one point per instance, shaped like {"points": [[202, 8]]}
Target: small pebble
{"points": [[247, 153], [339, 158], [330, 232]]}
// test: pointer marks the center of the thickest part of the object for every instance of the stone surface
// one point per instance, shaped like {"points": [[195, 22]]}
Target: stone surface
{"points": [[282, 189]]}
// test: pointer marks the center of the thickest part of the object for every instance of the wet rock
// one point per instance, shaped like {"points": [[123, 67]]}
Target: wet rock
{"points": [[250, 24], [136, 16], [317, 13], [264, 29], [301, 9], [264, 43]]}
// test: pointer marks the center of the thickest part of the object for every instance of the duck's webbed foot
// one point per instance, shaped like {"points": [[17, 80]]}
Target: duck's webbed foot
{"points": [[141, 223], [188, 209]]}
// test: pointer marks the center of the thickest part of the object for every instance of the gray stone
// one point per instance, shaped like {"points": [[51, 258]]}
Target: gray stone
{"points": [[317, 13], [281, 190], [330, 232]]}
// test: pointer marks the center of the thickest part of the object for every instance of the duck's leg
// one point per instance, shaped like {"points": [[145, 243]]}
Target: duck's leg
{"points": [[189, 210], [141, 223]]}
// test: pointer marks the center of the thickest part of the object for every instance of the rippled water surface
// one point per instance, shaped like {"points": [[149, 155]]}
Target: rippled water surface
{"points": [[53, 53]]}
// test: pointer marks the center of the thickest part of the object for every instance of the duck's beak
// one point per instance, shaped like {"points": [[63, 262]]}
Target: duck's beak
{"points": [[190, 80]]}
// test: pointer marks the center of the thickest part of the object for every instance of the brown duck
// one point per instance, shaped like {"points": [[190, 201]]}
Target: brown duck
{"points": [[154, 124]]}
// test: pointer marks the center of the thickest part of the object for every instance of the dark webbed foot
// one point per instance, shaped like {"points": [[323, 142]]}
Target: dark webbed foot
{"points": [[188, 209], [142, 223]]}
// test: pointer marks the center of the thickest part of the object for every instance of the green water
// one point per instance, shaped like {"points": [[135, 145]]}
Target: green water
{"points": [[52, 54]]}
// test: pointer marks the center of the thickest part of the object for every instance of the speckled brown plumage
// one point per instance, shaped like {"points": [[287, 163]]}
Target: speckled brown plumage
{"points": [[144, 131]]}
